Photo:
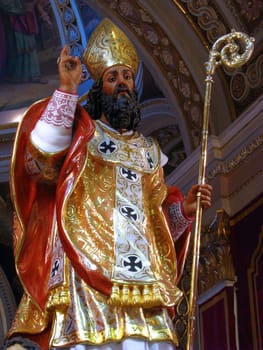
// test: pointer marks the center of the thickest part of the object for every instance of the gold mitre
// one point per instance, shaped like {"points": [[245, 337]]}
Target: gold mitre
{"points": [[108, 46]]}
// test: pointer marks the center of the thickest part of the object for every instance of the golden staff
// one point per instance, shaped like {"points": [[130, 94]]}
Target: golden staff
{"points": [[232, 50]]}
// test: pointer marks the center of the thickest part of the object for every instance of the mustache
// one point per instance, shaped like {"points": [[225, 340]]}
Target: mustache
{"points": [[120, 89]]}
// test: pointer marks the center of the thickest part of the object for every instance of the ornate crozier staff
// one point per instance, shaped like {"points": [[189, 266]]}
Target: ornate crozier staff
{"points": [[232, 50]]}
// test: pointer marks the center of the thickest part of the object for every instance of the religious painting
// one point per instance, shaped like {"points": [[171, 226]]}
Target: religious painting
{"points": [[32, 33]]}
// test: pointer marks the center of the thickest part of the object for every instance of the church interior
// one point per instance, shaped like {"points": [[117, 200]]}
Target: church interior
{"points": [[174, 39]]}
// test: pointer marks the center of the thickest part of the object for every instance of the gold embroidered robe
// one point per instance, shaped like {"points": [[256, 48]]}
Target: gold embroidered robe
{"points": [[112, 268]]}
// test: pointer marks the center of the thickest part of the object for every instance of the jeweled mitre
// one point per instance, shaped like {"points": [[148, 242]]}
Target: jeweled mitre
{"points": [[108, 46]]}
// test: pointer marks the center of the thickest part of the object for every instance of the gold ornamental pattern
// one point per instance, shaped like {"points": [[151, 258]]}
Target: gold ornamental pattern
{"points": [[111, 205]]}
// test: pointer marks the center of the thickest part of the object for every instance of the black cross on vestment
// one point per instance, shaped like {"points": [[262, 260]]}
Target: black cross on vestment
{"points": [[55, 268], [129, 213], [107, 147], [134, 263], [149, 159], [129, 174]]}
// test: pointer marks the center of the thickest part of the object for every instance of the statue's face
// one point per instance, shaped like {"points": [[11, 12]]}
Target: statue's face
{"points": [[117, 76], [119, 99]]}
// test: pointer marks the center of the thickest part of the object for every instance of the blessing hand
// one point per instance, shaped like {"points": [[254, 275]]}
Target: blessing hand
{"points": [[70, 70]]}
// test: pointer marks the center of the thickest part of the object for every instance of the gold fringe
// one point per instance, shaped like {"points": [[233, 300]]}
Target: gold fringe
{"points": [[147, 295], [115, 295], [125, 295], [136, 295]]}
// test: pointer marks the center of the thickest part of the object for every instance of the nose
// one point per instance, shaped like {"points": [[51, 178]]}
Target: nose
{"points": [[121, 88], [122, 85], [121, 80]]}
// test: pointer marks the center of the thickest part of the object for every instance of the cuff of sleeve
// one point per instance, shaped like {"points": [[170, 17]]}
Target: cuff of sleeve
{"points": [[67, 92], [190, 219], [178, 222]]}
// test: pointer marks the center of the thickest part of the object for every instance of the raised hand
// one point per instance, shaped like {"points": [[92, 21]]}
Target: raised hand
{"points": [[70, 70], [190, 200]]}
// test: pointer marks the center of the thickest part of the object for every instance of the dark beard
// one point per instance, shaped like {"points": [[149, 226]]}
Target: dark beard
{"points": [[122, 112]]}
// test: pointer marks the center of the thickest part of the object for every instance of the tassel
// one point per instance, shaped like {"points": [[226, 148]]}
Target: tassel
{"points": [[115, 295], [147, 295], [136, 296], [157, 295], [125, 296]]}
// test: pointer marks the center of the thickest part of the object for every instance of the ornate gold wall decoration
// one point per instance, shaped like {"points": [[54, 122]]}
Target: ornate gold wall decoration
{"points": [[207, 17], [224, 168], [215, 266], [247, 18], [243, 82], [215, 257]]}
